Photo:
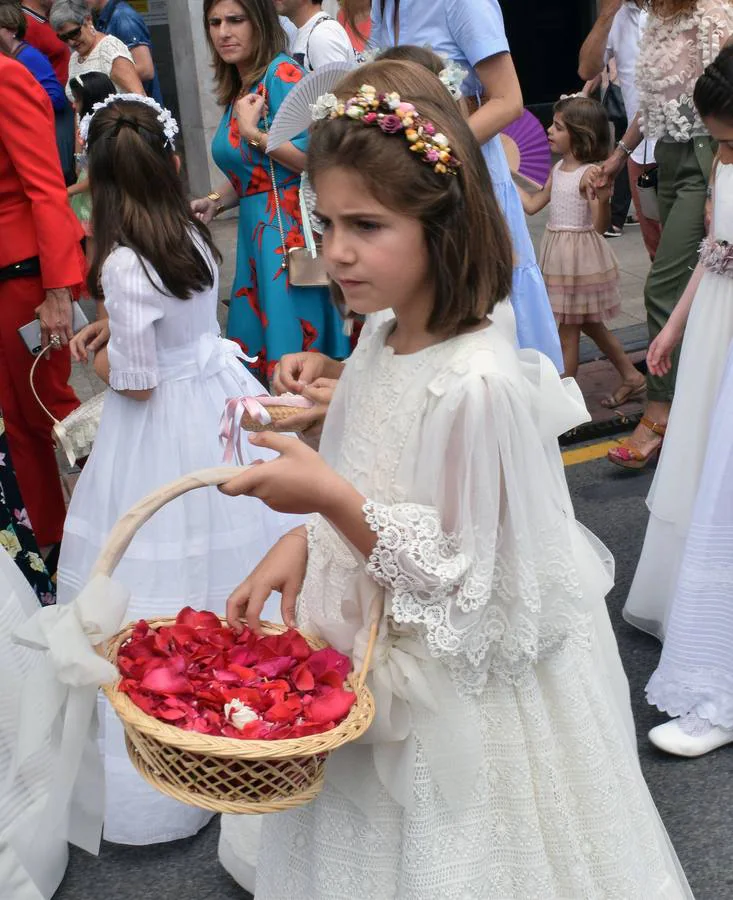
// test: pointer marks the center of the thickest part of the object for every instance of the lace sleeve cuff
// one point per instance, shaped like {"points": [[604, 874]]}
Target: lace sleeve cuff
{"points": [[143, 380], [421, 566]]}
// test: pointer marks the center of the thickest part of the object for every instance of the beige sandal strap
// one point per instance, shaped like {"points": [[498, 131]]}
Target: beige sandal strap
{"points": [[654, 426]]}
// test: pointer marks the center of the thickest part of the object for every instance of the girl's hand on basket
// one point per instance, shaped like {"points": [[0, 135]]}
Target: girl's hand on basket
{"points": [[310, 421], [298, 481], [91, 338], [282, 570], [297, 370]]}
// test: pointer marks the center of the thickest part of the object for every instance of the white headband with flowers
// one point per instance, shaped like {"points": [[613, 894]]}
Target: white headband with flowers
{"points": [[169, 124], [393, 116]]}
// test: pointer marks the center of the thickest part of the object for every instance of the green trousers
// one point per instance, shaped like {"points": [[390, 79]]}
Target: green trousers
{"points": [[684, 172]]}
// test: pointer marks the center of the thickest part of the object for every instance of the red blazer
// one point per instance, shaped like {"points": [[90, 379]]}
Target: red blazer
{"points": [[35, 216]]}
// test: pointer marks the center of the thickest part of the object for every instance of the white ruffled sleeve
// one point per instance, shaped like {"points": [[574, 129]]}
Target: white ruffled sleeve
{"points": [[481, 562], [134, 305]]}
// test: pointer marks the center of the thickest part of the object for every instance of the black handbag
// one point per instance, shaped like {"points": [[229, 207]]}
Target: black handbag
{"points": [[647, 185], [613, 102]]}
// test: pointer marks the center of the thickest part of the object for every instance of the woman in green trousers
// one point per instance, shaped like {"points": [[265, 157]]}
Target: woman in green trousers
{"points": [[681, 39]]}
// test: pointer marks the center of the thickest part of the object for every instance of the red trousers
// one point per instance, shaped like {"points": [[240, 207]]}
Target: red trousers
{"points": [[28, 428]]}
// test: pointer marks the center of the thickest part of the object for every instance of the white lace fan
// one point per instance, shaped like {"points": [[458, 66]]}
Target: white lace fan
{"points": [[294, 115]]}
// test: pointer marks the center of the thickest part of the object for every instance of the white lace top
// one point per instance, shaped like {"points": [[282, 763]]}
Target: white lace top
{"points": [[674, 53], [101, 59]]}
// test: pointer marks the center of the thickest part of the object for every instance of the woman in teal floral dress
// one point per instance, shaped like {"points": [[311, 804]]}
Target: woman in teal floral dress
{"points": [[268, 316]]}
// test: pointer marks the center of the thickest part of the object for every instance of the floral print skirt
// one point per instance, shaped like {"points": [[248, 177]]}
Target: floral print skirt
{"points": [[16, 533]]}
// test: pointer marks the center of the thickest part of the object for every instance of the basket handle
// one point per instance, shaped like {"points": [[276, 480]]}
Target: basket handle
{"points": [[127, 527], [42, 355]]}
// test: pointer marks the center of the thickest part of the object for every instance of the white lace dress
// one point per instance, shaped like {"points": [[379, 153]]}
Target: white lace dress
{"points": [[197, 549], [502, 761], [671, 499]]}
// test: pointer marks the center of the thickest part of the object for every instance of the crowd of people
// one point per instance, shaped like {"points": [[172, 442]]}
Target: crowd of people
{"points": [[438, 353]]}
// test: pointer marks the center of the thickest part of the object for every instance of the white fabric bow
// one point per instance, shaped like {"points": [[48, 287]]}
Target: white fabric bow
{"points": [[416, 702], [60, 697]]}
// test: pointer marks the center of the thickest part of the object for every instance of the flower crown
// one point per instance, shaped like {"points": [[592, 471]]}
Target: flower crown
{"points": [[452, 76], [170, 126], [393, 116]]}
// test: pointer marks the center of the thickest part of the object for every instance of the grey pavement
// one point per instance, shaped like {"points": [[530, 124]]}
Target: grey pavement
{"points": [[694, 797]]}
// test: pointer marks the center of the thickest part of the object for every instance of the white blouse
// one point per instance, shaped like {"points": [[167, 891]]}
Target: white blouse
{"points": [[675, 50], [100, 59]]}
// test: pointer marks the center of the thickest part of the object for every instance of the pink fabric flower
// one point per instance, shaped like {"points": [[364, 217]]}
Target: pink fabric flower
{"points": [[391, 124]]}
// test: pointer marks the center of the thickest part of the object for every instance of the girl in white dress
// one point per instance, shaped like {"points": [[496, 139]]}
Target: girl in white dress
{"points": [[707, 335], [502, 760], [169, 374], [694, 679]]}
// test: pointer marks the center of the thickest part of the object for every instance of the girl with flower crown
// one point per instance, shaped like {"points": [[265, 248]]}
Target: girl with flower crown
{"points": [[169, 374], [471, 33], [502, 759]]}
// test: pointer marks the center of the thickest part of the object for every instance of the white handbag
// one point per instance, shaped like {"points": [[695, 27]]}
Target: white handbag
{"points": [[76, 433]]}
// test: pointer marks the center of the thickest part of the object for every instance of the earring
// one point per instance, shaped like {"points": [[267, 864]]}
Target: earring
{"points": [[93, 29]]}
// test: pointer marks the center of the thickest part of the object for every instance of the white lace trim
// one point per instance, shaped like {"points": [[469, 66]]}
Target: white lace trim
{"points": [[674, 52], [488, 615]]}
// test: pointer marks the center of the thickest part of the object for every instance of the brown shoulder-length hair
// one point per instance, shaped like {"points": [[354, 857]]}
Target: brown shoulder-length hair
{"points": [[138, 201], [587, 123], [269, 40], [468, 242]]}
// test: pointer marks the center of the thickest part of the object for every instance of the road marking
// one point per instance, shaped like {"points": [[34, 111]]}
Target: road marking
{"points": [[589, 453]]}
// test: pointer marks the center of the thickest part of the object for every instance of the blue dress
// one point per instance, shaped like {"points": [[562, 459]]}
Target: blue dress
{"points": [[467, 32], [268, 316]]}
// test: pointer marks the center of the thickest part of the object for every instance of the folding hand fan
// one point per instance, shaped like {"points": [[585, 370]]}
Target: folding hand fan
{"points": [[528, 149], [295, 114]]}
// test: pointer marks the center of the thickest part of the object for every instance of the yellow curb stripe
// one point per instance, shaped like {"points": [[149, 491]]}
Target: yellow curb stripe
{"points": [[589, 453]]}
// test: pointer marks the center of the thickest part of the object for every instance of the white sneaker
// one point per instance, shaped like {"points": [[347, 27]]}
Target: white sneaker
{"points": [[690, 736]]}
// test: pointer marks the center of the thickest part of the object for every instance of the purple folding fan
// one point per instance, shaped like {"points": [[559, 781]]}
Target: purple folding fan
{"points": [[528, 149]]}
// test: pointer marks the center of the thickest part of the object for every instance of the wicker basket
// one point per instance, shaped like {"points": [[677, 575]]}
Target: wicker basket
{"points": [[224, 775], [278, 414]]}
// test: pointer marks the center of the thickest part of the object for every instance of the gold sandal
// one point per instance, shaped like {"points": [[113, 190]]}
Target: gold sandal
{"points": [[628, 457]]}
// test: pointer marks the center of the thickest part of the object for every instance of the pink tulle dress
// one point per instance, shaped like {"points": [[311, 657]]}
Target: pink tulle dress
{"points": [[580, 269]]}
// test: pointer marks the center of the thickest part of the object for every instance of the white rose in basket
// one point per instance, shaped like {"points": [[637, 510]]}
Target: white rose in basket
{"points": [[239, 714]]}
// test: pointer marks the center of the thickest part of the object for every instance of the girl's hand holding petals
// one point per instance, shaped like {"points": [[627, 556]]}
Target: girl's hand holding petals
{"points": [[298, 481], [282, 570]]}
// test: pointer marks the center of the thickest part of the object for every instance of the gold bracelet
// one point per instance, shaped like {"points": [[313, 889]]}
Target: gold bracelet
{"points": [[256, 142], [214, 195]]}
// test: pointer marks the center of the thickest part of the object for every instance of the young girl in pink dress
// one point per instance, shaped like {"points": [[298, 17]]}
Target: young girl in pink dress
{"points": [[579, 268]]}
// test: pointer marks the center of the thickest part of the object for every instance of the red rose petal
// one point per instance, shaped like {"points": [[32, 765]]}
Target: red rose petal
{"points": [[303, 678], [171, 715], [164, 681], [273, 668], [329, 659], [332, 706]]}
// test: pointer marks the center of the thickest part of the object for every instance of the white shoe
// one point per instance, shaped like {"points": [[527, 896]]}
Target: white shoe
{"points": [[690, 736]]}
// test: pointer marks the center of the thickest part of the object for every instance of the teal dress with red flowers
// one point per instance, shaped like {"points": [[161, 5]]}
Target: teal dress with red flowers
{"points": [[268, 316]]}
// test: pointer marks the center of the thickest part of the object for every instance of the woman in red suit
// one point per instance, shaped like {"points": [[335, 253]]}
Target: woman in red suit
{"points": [[40, 261]]}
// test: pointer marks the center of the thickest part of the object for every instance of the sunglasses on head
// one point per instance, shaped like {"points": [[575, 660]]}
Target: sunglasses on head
{"points": [[70, 35]]}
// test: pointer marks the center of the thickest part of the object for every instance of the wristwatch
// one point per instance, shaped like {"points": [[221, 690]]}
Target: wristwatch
{"points": [[625, 148]]}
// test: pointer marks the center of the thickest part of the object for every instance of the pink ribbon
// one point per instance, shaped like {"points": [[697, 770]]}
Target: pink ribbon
{"points": [[230, 430]]}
